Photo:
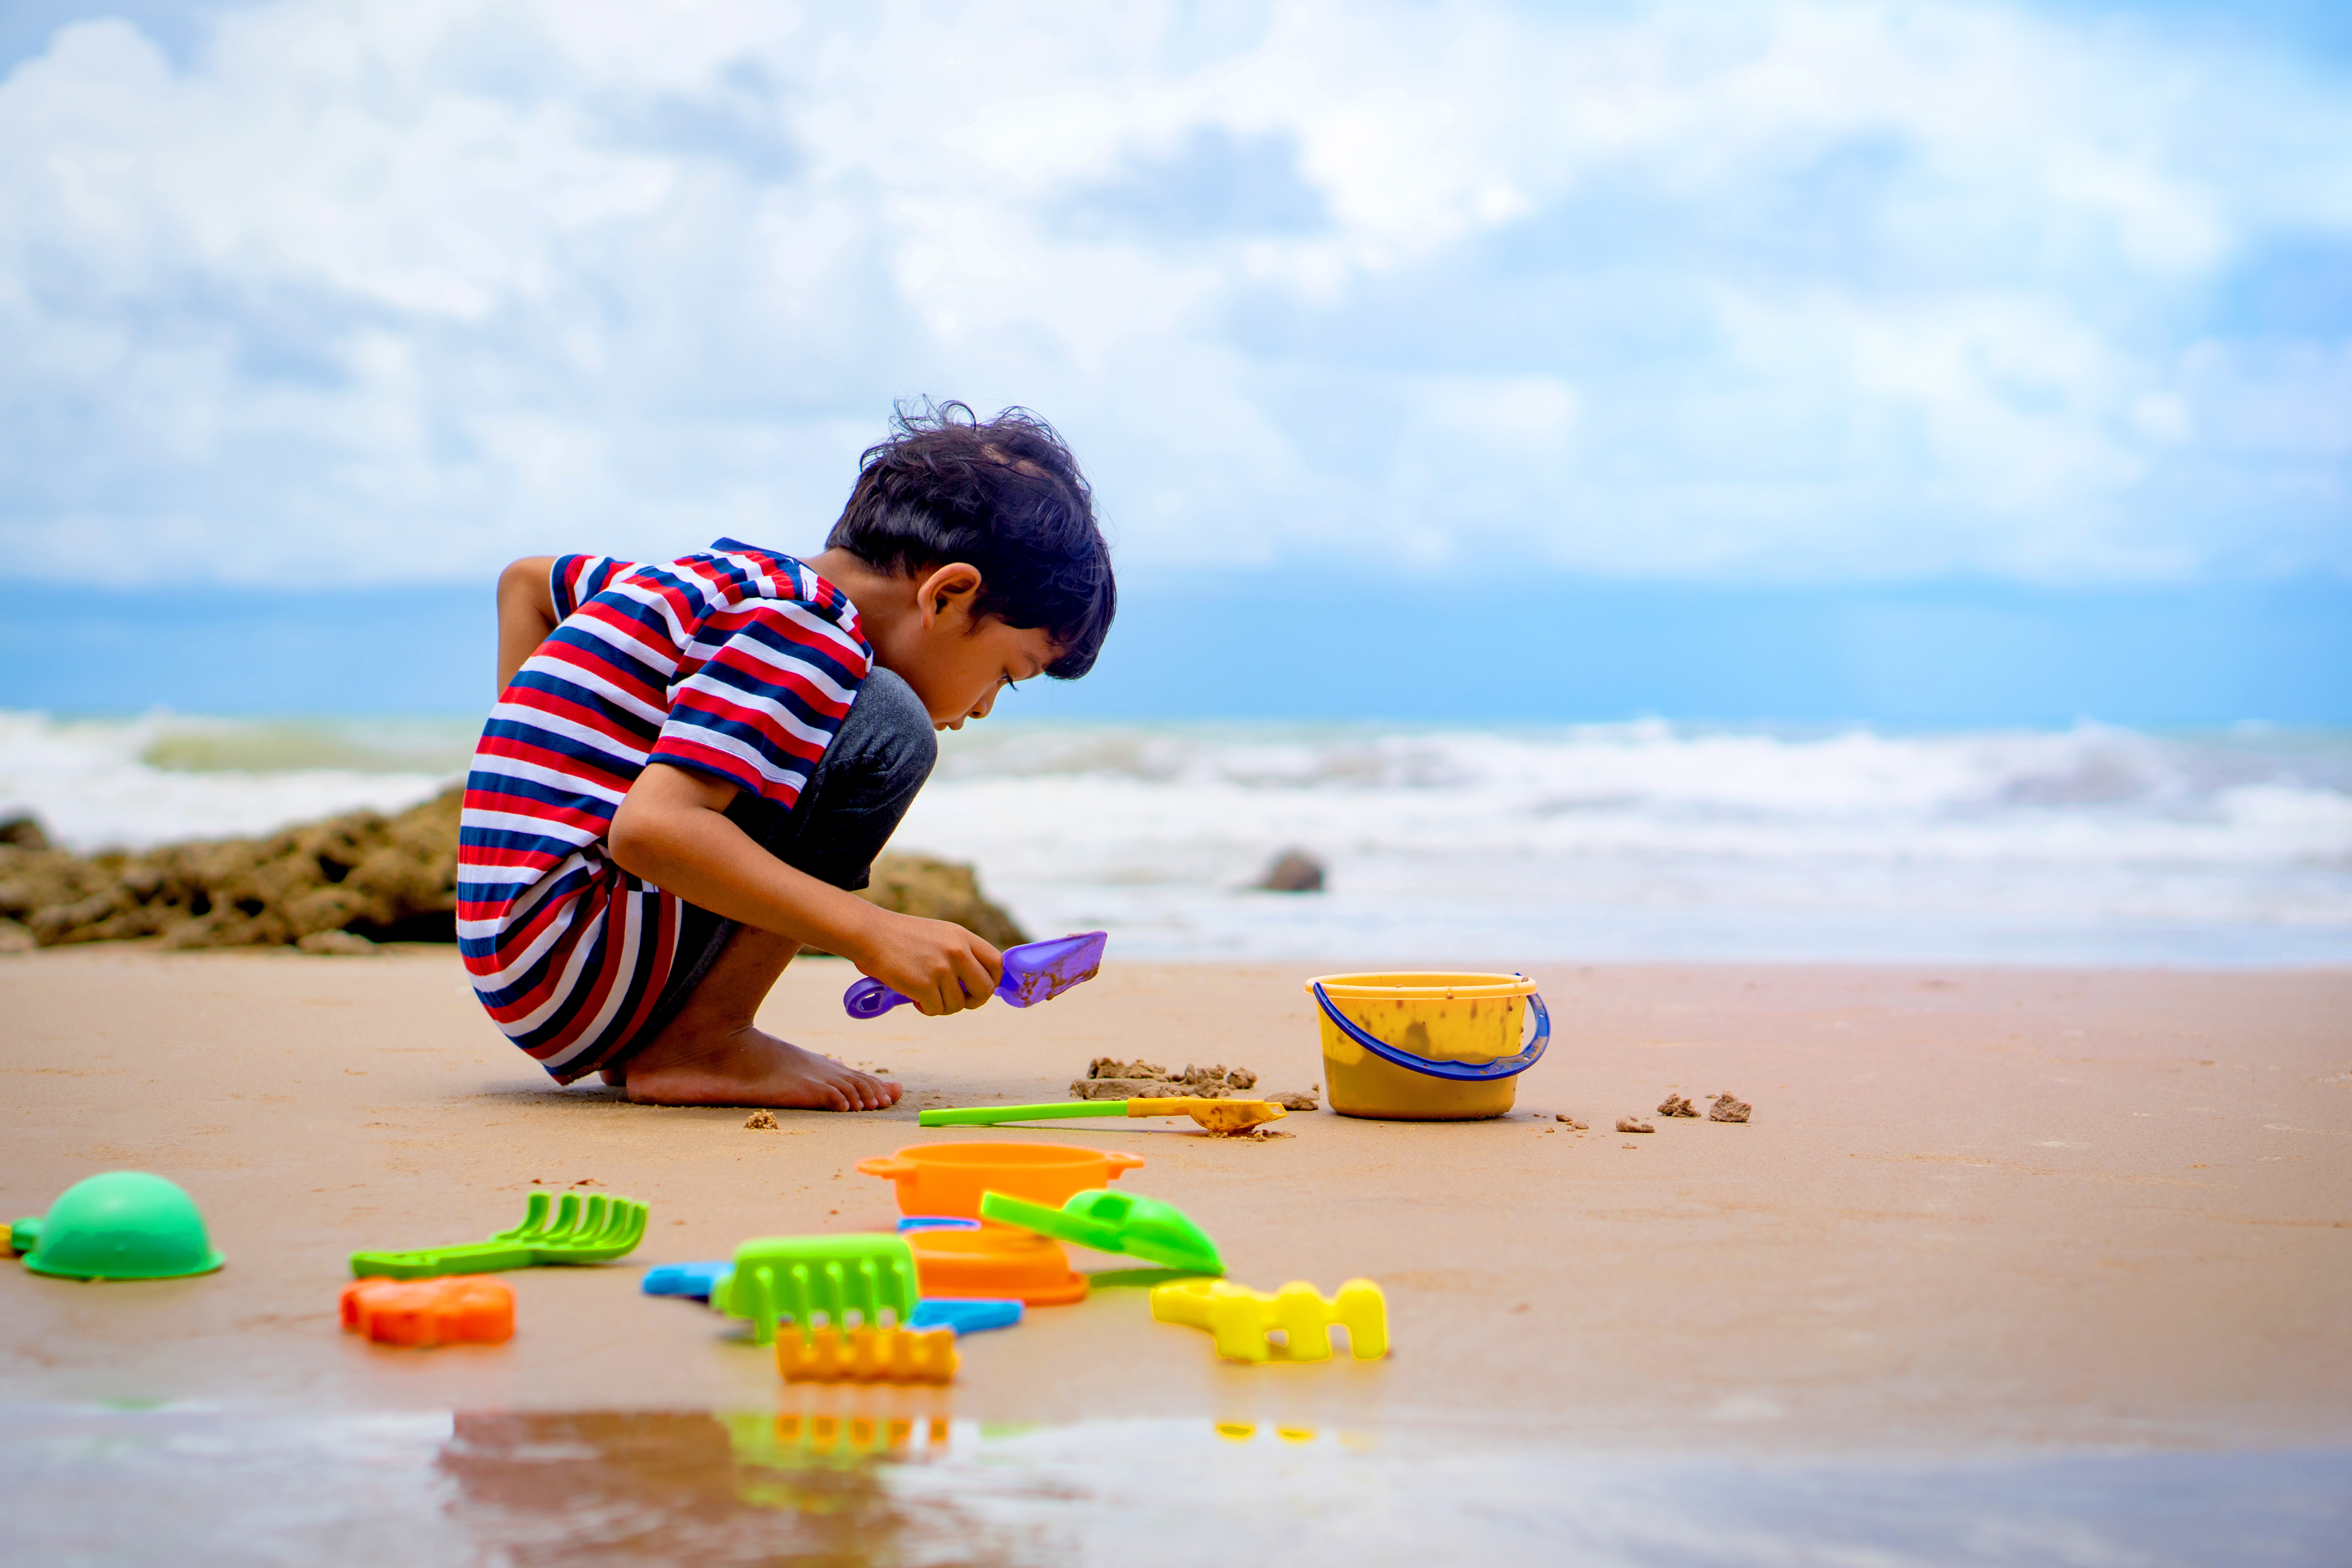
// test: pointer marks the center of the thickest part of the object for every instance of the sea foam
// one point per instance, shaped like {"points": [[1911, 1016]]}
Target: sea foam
{"points": [[1520, 847]]}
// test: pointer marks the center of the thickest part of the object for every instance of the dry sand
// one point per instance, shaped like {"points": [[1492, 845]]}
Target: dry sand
{"points": [[1974, 1208]]}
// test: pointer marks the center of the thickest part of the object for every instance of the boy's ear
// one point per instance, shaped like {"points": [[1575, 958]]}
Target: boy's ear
{"points": [[956, 583]]}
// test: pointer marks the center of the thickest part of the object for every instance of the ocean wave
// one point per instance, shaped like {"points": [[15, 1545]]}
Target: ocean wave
{"points": [[2096, 844], [164, 777]]}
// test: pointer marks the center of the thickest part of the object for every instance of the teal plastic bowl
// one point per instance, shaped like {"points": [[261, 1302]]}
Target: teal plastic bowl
{"points": [[124, 1224]]}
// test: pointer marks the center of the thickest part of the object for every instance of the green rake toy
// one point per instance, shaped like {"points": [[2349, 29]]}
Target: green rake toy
{"points": [[796, 1278], [596, 1232]]}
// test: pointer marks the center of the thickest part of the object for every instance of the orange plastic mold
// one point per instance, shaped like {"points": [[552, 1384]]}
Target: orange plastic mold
{"points": [[867, 1355], [996, 1262], [948, 1178], [458, 1308]]}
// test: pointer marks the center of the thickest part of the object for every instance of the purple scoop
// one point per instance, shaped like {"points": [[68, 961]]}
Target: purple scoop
{"points": [[1034, 972]]}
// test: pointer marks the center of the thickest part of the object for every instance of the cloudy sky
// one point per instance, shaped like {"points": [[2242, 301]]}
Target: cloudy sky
{"points": [[392, 290]]}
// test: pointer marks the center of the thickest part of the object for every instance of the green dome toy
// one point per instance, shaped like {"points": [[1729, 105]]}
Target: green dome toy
{"points": [[124, 1224]]}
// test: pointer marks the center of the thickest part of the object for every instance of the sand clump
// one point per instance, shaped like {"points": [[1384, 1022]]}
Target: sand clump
{"points": [[1108, 1077], [1572, 1121], [1728, 1108], [759, 1121], [1677, 1105], [340, 886], [1627, 1124]]}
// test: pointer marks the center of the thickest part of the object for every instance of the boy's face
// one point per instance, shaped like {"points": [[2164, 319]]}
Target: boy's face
{"points": [[955, 663]]}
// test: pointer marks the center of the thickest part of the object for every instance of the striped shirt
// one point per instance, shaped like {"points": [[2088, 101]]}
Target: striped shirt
{"points": [[739, 664]]}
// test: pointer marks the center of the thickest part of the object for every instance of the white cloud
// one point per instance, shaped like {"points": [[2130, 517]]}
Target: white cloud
{"points": [[401, 287]]}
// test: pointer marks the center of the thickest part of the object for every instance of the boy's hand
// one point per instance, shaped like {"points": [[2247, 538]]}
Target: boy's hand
{"points": [[939, 966]]}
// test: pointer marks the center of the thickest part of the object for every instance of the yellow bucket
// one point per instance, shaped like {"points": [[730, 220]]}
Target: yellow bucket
{"points": [[1426, 1047]]}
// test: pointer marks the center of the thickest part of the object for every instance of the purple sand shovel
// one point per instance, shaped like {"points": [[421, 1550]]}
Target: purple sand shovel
{"points": [[1034, 972]]}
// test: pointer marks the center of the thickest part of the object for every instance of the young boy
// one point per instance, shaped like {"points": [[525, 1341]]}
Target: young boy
{"points": [[693, 764]]}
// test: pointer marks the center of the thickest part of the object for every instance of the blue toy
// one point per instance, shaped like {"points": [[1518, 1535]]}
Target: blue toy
{"points": [[965, 1317]]}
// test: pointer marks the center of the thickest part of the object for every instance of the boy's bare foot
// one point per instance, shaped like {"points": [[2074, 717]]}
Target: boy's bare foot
{"points": [[712, 1053], [746, 1065]]}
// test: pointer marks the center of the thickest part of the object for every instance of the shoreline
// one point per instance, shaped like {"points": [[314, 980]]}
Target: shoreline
{"points": [[1979, 1212]]}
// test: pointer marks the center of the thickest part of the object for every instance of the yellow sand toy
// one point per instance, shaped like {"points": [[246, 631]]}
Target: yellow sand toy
{"points": [[868, 1355], [1240, 1319]]}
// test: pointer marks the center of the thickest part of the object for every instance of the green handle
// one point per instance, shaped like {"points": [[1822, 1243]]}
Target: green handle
{"points": [[990, 1115], [480, 1257]]}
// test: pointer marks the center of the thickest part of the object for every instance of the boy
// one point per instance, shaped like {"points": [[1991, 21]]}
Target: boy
{"points": [[693, 764]]}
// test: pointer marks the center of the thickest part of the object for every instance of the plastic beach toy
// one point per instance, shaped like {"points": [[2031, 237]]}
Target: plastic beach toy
{"points": [[466, 1309], [597, 1232], [996, 1262], [1427, 1047], [124, 1224], [966, 1315], [868, 1355], [1216, 1115], [948, 1178], [795, 1278], [692, 1280], [1034, 972], [696, 1281], [1240, 1319], [1115, 1221]]}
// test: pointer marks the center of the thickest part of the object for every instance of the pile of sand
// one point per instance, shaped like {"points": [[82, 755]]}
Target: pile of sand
{"points": [[335, 886], [1111, 1079]]}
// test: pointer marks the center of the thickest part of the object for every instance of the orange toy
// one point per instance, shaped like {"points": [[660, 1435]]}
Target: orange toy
{"points": [[867, 1355], [460, 1308], [995, 1262], [948, 1178]]}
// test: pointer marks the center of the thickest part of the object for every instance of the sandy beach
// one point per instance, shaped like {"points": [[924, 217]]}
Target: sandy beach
{"points": [[1976, 1211]]}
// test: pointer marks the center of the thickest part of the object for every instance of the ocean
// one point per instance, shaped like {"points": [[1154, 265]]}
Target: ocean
{"points": [[2093, 845]]}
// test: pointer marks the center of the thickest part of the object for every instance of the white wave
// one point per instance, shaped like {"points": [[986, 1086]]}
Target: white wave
{"points": [[1624, 841], [162, 778], [1648, 840]]}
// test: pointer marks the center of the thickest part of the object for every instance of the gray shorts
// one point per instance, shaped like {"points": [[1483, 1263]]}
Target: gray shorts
{"points": [[879, 758]]}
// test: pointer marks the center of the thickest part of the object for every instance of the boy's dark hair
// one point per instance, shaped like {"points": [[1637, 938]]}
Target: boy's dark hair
{"points": [[1003, 494]]}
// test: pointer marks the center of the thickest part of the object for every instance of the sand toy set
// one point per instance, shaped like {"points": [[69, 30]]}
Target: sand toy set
{"points": [[983, 1225]]}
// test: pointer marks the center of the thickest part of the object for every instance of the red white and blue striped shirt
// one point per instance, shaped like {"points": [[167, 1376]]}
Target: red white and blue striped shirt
{"points": [[739, 664]]}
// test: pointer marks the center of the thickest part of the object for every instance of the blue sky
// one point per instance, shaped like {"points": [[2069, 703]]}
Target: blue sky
{"points": [[1830, 303]]}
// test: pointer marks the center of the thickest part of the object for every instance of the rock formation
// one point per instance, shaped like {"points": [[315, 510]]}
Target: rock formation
{"points": [[362, 877], [1292, 871]]}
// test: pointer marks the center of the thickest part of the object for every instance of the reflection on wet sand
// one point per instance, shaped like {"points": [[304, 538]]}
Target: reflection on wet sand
{"points": [[623, 1487], [856, 1476]]}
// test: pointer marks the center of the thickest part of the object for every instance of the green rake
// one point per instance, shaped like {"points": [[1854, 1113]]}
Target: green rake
{"points": [[777, 1278], [596, 1232]]}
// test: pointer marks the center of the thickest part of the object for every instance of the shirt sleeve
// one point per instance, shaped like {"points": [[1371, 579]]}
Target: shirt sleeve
{"points": [[776, 679], [574, 580]]}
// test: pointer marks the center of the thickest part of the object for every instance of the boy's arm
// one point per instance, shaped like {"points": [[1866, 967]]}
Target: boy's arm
{"points": [[526, 613], [672, 830]]}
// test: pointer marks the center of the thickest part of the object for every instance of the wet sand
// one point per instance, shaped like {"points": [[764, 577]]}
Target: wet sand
{"points": [[1975, 1210]]}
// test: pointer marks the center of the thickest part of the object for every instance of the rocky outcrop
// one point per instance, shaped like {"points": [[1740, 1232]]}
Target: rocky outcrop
{"points": [[333, 887], [375, 877], [940, 890]]}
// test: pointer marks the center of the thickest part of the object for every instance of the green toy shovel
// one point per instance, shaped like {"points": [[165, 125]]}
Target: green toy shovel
{"points": [[1114, 1222]]}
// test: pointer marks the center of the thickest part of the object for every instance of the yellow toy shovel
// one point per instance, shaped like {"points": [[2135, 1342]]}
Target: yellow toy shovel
{"points": [[1216, 1115]]}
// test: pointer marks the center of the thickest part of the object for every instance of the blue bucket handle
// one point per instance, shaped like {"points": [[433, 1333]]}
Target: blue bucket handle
{"points": [[1460, 1072]]}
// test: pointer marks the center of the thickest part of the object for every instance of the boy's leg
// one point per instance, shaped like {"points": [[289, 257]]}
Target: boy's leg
{"points": [[705, 1049]]}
